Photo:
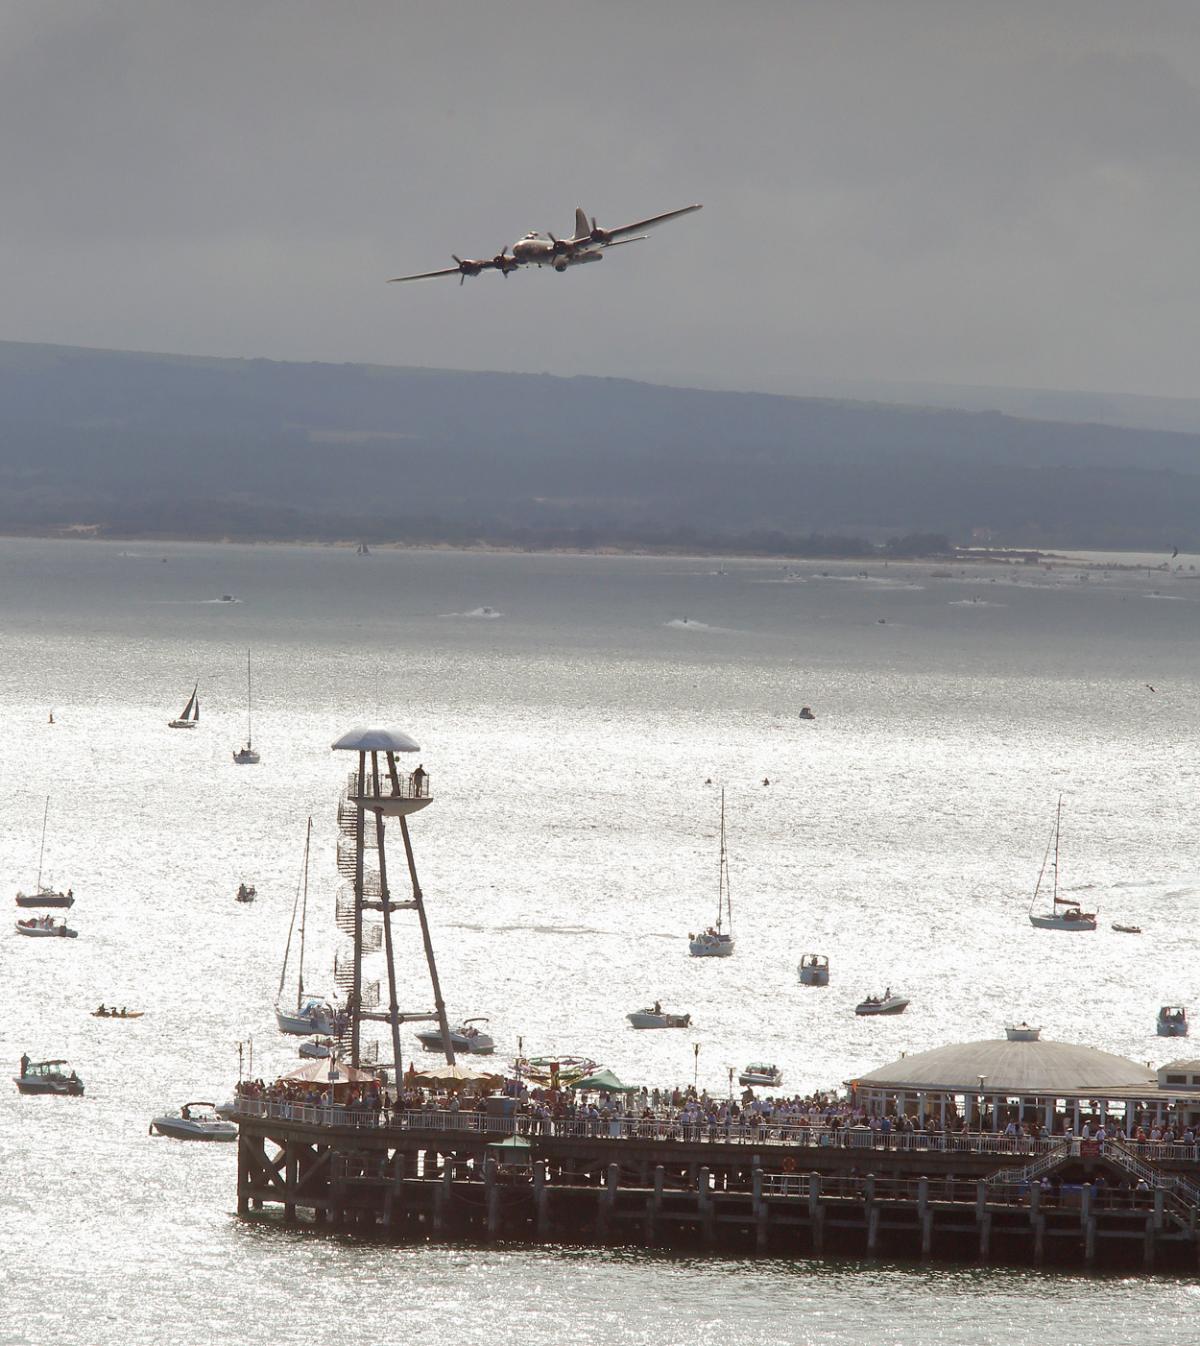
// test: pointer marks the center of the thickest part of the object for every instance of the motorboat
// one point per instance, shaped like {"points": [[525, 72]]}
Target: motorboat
{"points": [[1172, 1022], [246, 892], [45, 927], [1065, 912], [887, 1003], [717, 940], [317, 1049], [104, 1013], [1127, 929], [464, 1037], [189, 717], [806, 713], [247, 756], [814, 970], [43, 895], [1022, 1032], [48, 1077], [656, 1017], [767, 1076], [194, 1121]]}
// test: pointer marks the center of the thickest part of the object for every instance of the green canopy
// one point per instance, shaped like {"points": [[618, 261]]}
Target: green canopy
{"points": [[512, 1143], [605, 1080]]}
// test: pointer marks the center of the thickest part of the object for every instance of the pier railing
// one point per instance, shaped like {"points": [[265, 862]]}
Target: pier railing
{"points": [[644, 1129]]}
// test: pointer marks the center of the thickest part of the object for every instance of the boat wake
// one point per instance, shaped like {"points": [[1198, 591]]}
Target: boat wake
{"points": [[974, 603], [479, 614], [687, 624]]}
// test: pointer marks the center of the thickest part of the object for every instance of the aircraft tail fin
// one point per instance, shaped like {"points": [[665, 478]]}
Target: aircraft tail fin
{"points": [[582, 227]]}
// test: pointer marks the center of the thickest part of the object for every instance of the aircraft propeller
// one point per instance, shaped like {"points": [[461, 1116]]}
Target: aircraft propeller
{"points": [[599, 235], [504, 263]]}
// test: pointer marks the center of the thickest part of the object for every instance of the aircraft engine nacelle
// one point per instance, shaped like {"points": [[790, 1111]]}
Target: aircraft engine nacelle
{"points": [[561, 263]]}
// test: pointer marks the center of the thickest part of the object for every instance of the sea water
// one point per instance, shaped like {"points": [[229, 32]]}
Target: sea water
{"points": [[578, 717]]}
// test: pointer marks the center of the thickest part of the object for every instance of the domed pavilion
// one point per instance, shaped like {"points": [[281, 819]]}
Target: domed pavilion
{"points": [[1020, 1077]]}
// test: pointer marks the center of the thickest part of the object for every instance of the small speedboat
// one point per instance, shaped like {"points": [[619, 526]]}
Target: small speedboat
{"points": [[768, 1076], [1172, 1022], [888, 1003], [104, 1013], [317, 1049], [194, 1121], [1127, 929], [45, 927], [656, 1017], [246, 892], [806, 713], [814, 970], [465, 1037], [48, 1077]]}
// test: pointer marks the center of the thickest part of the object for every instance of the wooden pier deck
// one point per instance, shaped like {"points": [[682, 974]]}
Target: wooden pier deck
{"points": [[440, 1176]]}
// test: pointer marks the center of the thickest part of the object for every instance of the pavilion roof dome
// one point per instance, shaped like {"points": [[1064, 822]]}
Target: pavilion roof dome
{"points": [[1015, 1068], [363, 739]]}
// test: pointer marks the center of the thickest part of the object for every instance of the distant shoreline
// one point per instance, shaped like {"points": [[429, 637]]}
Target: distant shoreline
{"points": [[1082, 557]]}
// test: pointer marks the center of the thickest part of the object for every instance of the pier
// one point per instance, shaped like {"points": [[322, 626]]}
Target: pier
{"points": [[469, 1176], [1015, 1150]]}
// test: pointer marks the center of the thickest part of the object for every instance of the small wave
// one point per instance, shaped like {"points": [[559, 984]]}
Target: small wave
{"points": [[688, 624], [478, 614], [974, 603], [1169, 598]]}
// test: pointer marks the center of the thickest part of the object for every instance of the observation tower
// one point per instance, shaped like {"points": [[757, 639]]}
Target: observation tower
{"points": [[378, 794]]}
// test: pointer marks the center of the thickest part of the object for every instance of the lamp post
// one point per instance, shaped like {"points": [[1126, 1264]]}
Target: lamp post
{"points": [[731, 1084], [695, 1065]]}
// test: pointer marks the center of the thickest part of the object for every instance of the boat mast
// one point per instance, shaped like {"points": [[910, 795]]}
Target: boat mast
{"points": [[301, 887], [303, 917], [1057, 825], [722, 874], [42, 852], [249, 702]]}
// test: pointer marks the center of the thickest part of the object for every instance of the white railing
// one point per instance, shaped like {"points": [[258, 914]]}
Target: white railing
{"points": [[638, 1128]]}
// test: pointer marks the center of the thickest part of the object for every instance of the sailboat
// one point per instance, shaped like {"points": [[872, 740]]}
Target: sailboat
{"points": [[45, 896], [1065, 912], [247, 756], [717, 940], [190, 716], [312, 1013]]}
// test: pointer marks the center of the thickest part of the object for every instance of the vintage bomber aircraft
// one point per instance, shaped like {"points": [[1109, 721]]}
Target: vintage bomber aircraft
{"points": [[587, 244]]}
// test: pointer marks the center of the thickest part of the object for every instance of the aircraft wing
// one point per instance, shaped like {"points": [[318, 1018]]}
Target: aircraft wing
{"points": [[639, 225], [426, 275]]}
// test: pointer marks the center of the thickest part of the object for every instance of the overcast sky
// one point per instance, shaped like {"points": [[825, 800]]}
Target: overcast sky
{"points": [[996, 192]]}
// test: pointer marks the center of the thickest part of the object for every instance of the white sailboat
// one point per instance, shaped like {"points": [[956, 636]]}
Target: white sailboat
{"points": [[247, 756], [43, 895], [1065, 912], [189, 718], [717, 940], [312, 1013]]}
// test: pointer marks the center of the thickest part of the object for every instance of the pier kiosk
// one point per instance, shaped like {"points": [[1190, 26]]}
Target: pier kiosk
{"points": [[378, 794]]}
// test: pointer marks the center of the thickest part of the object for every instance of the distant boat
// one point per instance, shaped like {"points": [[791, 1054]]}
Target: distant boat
{"points": [[45, 927], [246, 892], [43, 896], [888, 1003], [717, 941], [1127, 929], [814, 970], [247, 756], [48, 1077], [190, 716], [762, 1073], [1172, 1022], [194, 1121], [363, 549], [1065, 912]]}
